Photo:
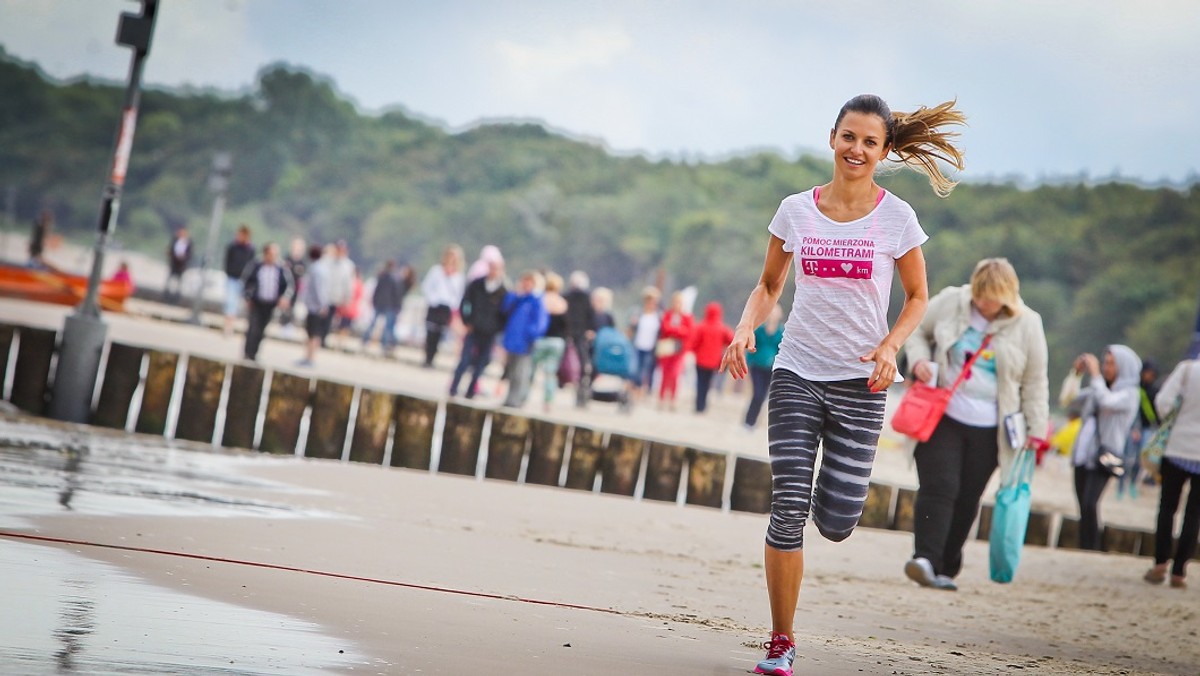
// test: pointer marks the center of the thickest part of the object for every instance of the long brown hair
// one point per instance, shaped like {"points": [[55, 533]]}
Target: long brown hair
{"points": [[918, 139]]}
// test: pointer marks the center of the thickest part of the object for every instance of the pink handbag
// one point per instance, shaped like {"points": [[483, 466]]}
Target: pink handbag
{"points": [[922, 407]]}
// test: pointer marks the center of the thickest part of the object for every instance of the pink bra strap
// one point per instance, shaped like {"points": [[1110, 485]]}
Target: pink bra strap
{"points": [[817, 195]]}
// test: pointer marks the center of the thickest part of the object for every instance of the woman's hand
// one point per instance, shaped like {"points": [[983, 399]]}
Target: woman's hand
{"points": [[734, 359], [1091, 364], [884, 374], [923, 371]]}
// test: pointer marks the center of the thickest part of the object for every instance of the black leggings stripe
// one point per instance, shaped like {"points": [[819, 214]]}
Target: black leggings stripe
{"points": [[844, 418]]}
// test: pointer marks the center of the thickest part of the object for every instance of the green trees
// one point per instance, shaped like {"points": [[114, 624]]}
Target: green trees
{"points": [[1103, 264]]}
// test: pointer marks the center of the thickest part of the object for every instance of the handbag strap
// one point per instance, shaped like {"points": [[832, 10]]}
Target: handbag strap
{"points": [[966, 369]]}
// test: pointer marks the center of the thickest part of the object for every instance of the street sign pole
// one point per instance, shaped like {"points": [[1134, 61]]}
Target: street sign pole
{"points": [[84, 332]]}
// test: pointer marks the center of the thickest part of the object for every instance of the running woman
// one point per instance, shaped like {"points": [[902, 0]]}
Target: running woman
{"points": [[837, 357]]}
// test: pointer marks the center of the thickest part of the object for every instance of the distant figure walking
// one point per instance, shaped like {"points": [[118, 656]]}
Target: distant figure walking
{"points": [[675, 336], [1143, 429], [348, 312], [39, 236], [342, 276], [548, 350], [527, 321], [179, 257], [443, 291], [767, 337], [386, 300], [482, 313], [1108, 408], [645, 336], [239, 254], [1180, 465], [266, 286], [297, 264], [314, 294], [838, 356], [581, 329], [709, 341]]}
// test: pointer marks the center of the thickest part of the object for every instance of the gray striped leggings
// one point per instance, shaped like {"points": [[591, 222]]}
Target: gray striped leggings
{"points": [[845, 418]]}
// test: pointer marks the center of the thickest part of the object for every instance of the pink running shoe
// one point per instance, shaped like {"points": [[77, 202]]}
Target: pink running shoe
{"points": [[781, 653]]}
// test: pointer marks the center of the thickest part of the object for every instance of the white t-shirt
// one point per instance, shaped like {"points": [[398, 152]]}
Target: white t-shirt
{"points": [[646, 333], [974, 402], [843, 283], [440, 288]]}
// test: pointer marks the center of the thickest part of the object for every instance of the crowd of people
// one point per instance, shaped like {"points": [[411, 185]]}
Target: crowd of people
{"points": [[541, 328]]}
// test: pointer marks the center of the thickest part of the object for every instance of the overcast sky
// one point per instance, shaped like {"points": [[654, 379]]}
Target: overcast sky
{"points": [[1051, 87]]}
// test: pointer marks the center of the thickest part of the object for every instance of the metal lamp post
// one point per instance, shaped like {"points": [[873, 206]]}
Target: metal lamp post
{"points": [[218, 183], [84, 331]]}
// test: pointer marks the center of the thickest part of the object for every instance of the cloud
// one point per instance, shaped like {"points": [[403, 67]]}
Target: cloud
{"points": [[537, 66]]}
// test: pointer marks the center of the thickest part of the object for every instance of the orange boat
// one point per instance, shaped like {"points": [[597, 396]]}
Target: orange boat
{"points": [[50, 285]]}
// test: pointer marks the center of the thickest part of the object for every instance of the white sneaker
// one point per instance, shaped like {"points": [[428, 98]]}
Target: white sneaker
{"points": [[920, 570]]}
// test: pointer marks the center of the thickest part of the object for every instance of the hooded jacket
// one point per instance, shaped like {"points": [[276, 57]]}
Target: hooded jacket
{"points": [[527, 321], [1019, 343], [1108, 412], [711, 337]]}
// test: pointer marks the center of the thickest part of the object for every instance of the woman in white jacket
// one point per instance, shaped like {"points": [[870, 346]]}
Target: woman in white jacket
{"points": [[1180, 464], [1009, 377], [1108, 407]]}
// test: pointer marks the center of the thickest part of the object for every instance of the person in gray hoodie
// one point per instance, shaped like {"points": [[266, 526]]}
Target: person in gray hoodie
{"points": [[1108, 406]]}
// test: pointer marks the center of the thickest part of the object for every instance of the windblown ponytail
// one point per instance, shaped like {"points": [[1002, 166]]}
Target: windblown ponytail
{"points": [[918, 139]]}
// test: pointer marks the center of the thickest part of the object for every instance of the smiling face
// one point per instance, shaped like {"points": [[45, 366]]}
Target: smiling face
{"points": [[858, 143]]}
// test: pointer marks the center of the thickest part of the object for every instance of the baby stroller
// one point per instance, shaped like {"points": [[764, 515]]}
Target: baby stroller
{"points": [[614, 364]]}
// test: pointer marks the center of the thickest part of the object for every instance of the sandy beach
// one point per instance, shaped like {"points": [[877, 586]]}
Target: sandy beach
{"points": [[415, 572], [440, 574]]}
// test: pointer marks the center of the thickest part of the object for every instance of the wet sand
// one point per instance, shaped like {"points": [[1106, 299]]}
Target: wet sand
{"points": [[684, 583]]}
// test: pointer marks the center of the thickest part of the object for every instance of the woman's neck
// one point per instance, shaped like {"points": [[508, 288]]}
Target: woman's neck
{"points": [[847, 192]]}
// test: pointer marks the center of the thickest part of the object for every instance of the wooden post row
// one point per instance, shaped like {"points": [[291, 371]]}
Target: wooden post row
{"points": [[156, 393], [202, 385], [241, 407], [751, 486], [706, 478], [906, 500], [664, 467], [506, 446], [1068, 533], [461, 437], [371, 426], [122, 373], [877, 512], [622, 464], [329, 420], [587, 451], [286, 402], [7, 331], [412, 440], [30, 390], [547, 446]]}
